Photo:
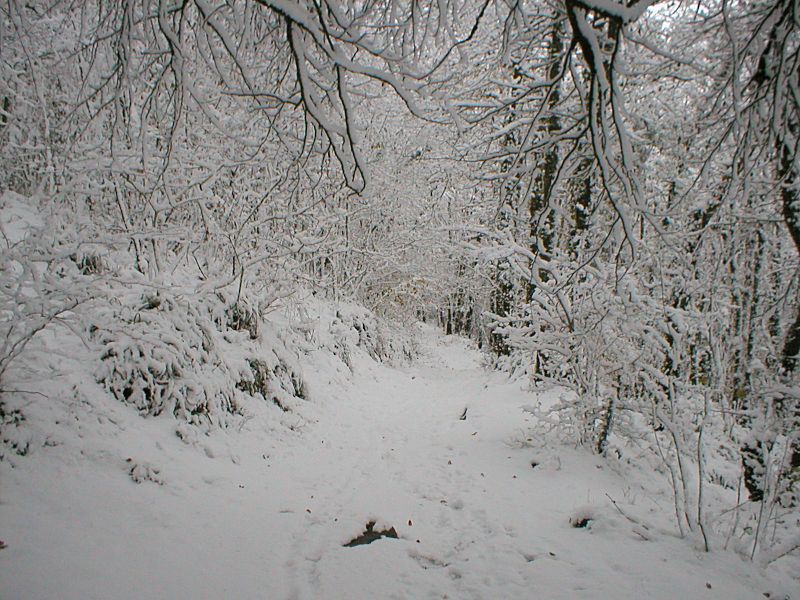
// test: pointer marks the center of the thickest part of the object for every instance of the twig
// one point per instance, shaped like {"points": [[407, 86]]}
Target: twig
{"points": [[627, 516], [13, 391]]}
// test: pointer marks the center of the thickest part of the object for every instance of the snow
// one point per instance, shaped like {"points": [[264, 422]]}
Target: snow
{"points": [[264, 510]]}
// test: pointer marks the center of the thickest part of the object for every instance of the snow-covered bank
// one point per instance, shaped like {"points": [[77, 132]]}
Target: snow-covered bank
{"points": [[264, 512]]}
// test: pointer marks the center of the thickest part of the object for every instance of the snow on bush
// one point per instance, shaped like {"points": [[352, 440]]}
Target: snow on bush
{"points": [[353, 327], [161, 355], [14, 437], [143, 471], [192, 357], [583, 516], [278, 383], [241, 316]]}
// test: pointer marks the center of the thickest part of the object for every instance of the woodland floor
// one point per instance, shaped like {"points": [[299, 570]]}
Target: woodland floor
{"points": [[266, 512]]}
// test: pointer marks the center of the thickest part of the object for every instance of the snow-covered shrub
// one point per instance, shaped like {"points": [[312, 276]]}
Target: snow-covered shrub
{"points": [[258, 381], [354, 327], [278, 383], [141, 472], [583, 516], [162, 356], [243, 317], [88, 264], [289, 380], [10, 421], [193, 357]]}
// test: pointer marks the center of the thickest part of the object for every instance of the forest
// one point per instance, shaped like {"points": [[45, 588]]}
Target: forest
{"points": [[211, 209]]}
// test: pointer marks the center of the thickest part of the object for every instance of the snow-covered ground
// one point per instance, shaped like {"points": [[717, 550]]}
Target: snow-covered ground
{"points": [[265, 510]]}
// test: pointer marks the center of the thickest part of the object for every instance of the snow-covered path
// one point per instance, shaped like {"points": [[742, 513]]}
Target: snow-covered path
{"points": [[252, 514]]}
